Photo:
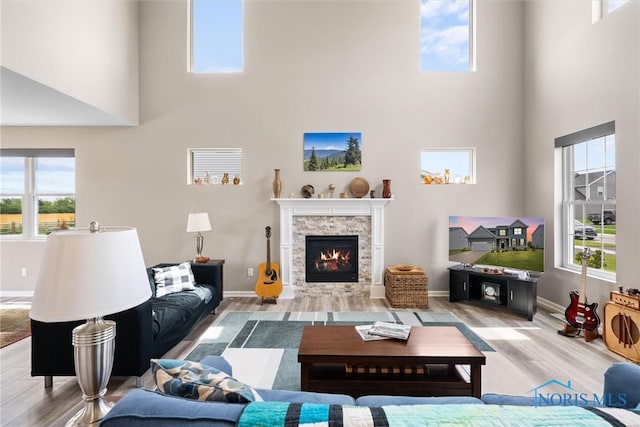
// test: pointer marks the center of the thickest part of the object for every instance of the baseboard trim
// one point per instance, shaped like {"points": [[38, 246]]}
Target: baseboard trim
{"points": [[245, 294], [550, 305], [14, 294]]}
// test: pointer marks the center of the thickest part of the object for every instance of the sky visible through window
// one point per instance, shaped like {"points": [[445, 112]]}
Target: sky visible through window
{"points": [[53, 175], [445, 35], [614, 4], [216, 39]]}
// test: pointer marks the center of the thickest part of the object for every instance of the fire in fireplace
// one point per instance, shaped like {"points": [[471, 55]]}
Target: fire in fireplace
{"points": [[331, 258]]}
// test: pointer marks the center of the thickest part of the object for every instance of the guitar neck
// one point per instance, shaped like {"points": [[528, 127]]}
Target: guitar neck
{"points": [[582, 297], [268, 256]]}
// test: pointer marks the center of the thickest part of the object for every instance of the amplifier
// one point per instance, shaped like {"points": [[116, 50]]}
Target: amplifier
{"points": [[631, 301], [621, 330]]}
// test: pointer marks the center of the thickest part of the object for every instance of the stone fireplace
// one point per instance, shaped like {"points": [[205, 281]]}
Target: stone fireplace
{"points": [[361, 218]]}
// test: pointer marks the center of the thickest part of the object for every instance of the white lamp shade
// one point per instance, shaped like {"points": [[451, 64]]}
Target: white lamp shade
{"points": [[86, 275], [198, 222]]}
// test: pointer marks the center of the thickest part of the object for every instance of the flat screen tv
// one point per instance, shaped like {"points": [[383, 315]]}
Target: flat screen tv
{"points": [[508, 242]]}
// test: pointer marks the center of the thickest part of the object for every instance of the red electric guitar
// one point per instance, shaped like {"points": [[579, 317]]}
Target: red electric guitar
{"points": [[580, 314]]}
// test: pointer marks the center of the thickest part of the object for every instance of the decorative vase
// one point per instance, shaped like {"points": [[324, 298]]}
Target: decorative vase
{"points": [[386, 188], [277, 185]]}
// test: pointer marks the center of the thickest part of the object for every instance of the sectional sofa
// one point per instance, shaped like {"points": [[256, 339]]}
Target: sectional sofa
{"points": [[279, 407]]}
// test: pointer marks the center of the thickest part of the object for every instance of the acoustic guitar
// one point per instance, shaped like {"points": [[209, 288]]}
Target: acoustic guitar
{"points": [[580, 314], [269, 283]]}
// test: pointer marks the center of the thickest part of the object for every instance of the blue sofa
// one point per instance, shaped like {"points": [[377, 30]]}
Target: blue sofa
{"points": [[151, 408]]}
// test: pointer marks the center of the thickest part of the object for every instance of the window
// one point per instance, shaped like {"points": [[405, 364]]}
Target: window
{"points": [[588, 163], [600, 8], [614, 4], [215, 166], [446, 41], [517, 231], [216, 36], [37, 191], [447, 165]]}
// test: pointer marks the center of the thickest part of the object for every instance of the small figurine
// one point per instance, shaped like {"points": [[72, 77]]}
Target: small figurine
{"points": [[225, 179], [236, 180], [207, 178]]}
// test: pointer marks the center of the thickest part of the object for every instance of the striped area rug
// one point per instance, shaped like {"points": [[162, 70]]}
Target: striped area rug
{"points": [[262, 346]]}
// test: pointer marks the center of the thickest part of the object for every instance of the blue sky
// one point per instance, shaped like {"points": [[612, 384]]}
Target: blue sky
{"points": [[217, 27], [217, 36], [598, 154], [330, 141], [54, 175], [458, 162], [444, 41]]}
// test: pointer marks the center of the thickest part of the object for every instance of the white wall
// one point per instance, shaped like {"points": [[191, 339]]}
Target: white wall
{"points": [[86, 50], [310, 66], [579, 75]]}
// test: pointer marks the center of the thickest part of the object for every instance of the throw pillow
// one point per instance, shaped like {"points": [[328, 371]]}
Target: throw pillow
{"points": [[174, 278], [196, 381]]}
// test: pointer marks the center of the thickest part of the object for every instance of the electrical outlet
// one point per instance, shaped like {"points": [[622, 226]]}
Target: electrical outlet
{"points": [[249, 272], [24, 272]]}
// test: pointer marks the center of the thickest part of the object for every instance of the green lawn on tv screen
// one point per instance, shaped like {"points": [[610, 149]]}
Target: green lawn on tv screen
{"points": [[532, 259]]}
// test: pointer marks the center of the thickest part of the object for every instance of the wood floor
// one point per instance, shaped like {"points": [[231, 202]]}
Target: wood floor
{"points": [[527, 355]]}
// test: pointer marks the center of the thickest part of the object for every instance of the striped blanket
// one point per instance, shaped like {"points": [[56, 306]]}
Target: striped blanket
{"points": [[463, 415]]}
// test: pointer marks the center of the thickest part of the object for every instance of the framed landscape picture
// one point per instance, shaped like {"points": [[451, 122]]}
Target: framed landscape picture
{"points": [[332, 152]]}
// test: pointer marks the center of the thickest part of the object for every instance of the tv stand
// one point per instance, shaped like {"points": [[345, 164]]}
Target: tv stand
{"points": [[505, 291]]}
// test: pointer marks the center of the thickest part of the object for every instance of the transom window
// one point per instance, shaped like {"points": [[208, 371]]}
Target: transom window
{"points": [[215, 166], [588, 162], [37, 192], [446, 41], [216, 36]]}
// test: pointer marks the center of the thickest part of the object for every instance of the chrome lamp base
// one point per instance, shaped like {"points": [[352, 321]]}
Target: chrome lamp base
{"points": [[199, 242], [94, 346]]}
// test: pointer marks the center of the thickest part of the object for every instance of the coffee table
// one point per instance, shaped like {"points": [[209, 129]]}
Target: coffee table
{"points": [[334, 359]]}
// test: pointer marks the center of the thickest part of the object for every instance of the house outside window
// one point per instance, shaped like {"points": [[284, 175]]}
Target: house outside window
{"points": [[587, 160], [37, 192], [446, 35]]}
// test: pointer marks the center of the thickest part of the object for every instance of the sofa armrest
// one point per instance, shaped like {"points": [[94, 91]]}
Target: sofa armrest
{"points": [[210, 274], [622, 381], [141, 408]]}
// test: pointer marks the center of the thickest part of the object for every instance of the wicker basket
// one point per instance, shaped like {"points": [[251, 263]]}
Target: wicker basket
{"points": [[405, 289]]}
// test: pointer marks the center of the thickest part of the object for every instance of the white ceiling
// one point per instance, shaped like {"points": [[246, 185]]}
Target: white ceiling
{"points": [[25, 102]]}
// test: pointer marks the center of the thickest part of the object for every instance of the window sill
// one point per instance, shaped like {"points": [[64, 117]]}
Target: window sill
{"points": [[606, 277]]}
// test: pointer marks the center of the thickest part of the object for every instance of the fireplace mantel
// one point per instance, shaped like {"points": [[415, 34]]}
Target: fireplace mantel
{"points": [[373, 208]]}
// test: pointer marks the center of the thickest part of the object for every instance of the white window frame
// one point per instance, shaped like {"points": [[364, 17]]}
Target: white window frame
{"points": [[190, 41], [472, 40], [566, 214], [30, 195], [600, 9], [442, 152], [216, 162]]}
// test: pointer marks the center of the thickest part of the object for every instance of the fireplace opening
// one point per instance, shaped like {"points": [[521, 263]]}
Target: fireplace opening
{"points": [[331, 258]]}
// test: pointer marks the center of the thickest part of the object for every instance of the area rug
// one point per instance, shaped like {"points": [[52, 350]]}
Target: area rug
{"points": [[262, 346], [14, 325]]}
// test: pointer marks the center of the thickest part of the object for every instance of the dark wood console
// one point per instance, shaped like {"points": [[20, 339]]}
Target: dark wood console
{"points": [[503, 290]]}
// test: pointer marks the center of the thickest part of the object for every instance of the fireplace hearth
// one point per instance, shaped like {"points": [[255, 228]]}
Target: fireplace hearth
{"points": [[331, 258]]}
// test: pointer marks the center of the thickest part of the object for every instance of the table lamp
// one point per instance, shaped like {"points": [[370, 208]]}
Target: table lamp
{"points": [[198, 222], [87, 274]]}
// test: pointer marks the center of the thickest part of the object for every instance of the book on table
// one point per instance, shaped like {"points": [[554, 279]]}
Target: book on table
{"points": [[363, 331], [390, 330]]}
